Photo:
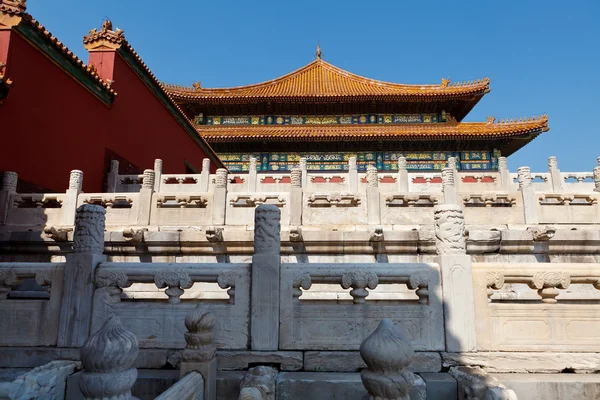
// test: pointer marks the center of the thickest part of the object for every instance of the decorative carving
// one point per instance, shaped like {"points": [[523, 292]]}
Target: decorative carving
{"points": [[258, 384], [596, 177], [494, 281], [76, 180], [199, 337], [524, 177], [108, 357], [226, 280], [502, 163], [542, 233], [491, 199], [402, 164], [221, 178], [450, 230], [46, 382], [176, 280], [133, 235], [333, 200], [8, 279], [296, 234], [552, 163], [475, 384], [359, 280], [253, 201], [88, 236], [214, 234], [57, 234], [158, 165], [445, 82], [9, 181], [252, 165], [206, 164], [267, 228], [300, 280], [352, 164], [302, 163], [44, 278], [181, 200], [387, 354], [112, 282], [197, 86], [148, 179], [411, 200], [296, 177], [420, 281], [452, 163], [372, 179], [547, 284], [377, 234], [491, 120], [447, 177]]}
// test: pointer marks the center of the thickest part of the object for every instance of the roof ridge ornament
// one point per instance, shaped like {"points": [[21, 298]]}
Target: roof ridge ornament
{"points": [[11, 12], [105, 38], [318, 53], [445, 82]]}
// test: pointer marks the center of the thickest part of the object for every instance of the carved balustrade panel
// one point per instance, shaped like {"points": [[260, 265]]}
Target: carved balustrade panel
{"points": [[181, 209], [30, 314], [408, 208], [340, 208], [121, 208], [35, 210], [310, 324], [537, 307], [493, 207], [129, 183], [568, 208], [158, 322]]}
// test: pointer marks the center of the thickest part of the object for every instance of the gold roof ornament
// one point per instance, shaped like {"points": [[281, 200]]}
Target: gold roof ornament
{"points": [[104, 39], [445, 82], [11, 13], [196, 85], [318, 54], [491, 120]]}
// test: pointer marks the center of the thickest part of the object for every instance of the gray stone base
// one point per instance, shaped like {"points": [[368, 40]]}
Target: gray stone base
{"points": [[350, 361], [440, 386], [552, 386]]}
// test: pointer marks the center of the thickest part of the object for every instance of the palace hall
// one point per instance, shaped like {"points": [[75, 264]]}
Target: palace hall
{"points": [[327, 115]]}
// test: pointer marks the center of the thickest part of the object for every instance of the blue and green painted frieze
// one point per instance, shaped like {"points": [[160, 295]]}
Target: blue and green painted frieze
{"points": [[361, 119]]}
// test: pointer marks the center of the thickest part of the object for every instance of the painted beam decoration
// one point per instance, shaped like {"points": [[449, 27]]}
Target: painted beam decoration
{"points": [[322, 119], [384, 160]]}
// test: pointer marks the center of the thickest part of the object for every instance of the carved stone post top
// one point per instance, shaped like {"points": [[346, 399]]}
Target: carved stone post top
{"points": [[402, 164], [252, 166], [448, 177], [88, 236], [296, 177], [9, 181], [267, 228], [111, 349], [352, 164], [114, 166], [502, 162], [449, 230], [303, 163], [596, 177], [221, 178], [76, 179], [206, 164], [552, 163], [598, 161], [148, 179], [259, 383], [452, 162], [524, 176], [372, 177], [158, 165]]}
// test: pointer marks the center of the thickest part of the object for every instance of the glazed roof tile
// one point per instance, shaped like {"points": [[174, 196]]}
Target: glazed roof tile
{"points": [[437, 131], [321, 79]]}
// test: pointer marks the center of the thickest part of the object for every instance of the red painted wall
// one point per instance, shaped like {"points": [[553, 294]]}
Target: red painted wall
{"points": [[51, 124]]}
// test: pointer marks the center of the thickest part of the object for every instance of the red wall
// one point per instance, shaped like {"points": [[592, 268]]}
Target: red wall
{"points": [[51, 124]]}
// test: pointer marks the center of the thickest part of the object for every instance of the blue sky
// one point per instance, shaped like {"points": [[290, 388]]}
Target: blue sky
{"points": [[541, 56]]}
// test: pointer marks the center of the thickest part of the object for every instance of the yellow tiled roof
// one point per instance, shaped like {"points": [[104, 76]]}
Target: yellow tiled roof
{"points": [[321, 79], [437, 131]]}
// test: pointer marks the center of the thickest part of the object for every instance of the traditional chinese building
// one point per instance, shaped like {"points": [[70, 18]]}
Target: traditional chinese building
{"points": [[327, 115]]}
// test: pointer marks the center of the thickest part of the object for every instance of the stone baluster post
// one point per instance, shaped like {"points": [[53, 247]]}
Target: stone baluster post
{"points": [[259, 383], [506, 183], [252, 176], [352, 175], [373, 215], [8, 190], [402, 175], [452, 164], [449, 186], [220, 197], [304, 170], [78, 282], [387, 354], [145, 197], [457, 278], [158, 167], [266, 261], [296, 197], [555, 175], [596, 175], [69, 205], [205, 175], [112, 179], [108, 359], [528, 193], [200, 353]]}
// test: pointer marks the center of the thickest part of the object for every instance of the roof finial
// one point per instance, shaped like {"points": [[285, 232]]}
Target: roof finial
{"points": [[318, 51]]}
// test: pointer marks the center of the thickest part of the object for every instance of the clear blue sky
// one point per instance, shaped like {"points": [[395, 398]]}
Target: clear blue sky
{"points": [[541, 56]]}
